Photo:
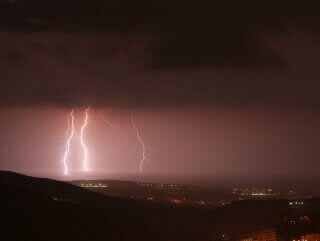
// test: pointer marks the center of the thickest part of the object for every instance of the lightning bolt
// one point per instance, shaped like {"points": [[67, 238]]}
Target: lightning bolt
{"points": [[140, 140], [70, 131], [82, 142], [115, 129]]}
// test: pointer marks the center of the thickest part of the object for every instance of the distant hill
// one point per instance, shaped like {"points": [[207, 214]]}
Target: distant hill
{"points": [[43, 209]]}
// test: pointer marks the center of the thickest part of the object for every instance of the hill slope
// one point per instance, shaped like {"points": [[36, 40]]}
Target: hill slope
{"points": [[43, 209]]}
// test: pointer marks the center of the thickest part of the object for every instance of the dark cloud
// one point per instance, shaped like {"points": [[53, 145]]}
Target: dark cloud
{"points": [[228, 34], [164, 54]]}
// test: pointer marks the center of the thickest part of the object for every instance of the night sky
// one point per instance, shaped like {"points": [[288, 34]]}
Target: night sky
{"points": [[228, 89]]}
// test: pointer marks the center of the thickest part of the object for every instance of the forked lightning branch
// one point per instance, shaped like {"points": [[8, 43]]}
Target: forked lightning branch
{"points": [[71, 134]]}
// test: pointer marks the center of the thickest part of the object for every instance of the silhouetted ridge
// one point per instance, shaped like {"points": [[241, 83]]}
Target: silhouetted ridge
{"points": [[43, 209]]}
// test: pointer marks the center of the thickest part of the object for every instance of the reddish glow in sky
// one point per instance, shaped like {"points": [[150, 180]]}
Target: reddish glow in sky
{"points": [[210, 143], [227, 93]]}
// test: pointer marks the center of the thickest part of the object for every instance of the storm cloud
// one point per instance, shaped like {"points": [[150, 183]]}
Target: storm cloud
{"points": [[168, 54]]}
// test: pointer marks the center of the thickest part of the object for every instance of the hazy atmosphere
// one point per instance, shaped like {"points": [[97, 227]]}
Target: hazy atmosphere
{"points": [[212, 96], [160, 120]]}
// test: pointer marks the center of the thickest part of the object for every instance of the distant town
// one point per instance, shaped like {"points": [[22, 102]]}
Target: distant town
{"points": [[295, 219], [191, 195]]}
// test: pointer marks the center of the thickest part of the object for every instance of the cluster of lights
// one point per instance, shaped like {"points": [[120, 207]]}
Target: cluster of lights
{"points": [[99, 185], [258, 194], [60, 199], [176, 201], [296, 203]]}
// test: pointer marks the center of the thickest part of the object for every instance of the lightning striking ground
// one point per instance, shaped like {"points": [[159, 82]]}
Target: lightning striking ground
{"points": [[140, 140], [70, 134], [83, 144]]}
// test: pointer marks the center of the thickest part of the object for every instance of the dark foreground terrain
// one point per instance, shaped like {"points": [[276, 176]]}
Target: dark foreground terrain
{"points": [[42, 209]]}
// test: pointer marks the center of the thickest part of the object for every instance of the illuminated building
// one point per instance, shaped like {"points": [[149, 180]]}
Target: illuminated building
{"points": [[262, 234], [310, 237], [265, 235]]}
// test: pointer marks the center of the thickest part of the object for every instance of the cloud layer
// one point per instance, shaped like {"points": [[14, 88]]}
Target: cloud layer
{"points": [[158, 55]]}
